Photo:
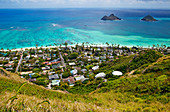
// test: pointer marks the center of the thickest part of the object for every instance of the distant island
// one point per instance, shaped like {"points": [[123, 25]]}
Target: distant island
{"points": [[111, 17], [149, 18]]}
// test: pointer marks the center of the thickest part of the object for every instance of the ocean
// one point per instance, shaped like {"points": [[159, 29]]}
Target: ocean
{"points": [[20, 28]]}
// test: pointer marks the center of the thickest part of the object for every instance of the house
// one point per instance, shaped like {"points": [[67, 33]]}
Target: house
{"points": [[35, 56], [168, 51], [9, 69], [72, 64], [27, 57], [45, 68], [55, 82], [98, 49], [102, 57], [40, 51], [52, 77], [7, 58], [111, 57], [105, 49], [84, 70], [32, 80], [70, 80], [89, 59], [54, 55], [65, 54], [56, 60], [95, 68], [79, 78], [56, 66], [2, 58], [14, 58], [101, 75], [40, 55], [25, 73], [96, 58], [9, 65], [74, 72], [45, 63], [11, 62], [117, 73], [52, 63], [31, 74]]}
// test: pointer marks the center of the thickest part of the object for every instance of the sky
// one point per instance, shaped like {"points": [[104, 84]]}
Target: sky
{"points": [[149, 4]]}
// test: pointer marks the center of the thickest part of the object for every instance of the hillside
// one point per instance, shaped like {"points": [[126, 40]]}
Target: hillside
{"points": [[143, 88]]}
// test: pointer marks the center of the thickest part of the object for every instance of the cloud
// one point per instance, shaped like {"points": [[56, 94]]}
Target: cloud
{"points": [[84, 3]]}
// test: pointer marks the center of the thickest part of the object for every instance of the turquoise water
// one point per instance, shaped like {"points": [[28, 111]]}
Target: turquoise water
{"points": [[27, 27]]}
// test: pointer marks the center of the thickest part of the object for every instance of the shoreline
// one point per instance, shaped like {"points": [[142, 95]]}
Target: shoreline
{"points": [[94, 45]]}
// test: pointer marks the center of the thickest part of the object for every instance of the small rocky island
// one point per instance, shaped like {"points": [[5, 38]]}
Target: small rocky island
{"points": [[149, 18], [111, 17]]}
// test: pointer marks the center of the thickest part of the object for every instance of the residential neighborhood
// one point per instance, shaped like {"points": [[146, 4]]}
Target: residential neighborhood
{"points": [[66, 65]]}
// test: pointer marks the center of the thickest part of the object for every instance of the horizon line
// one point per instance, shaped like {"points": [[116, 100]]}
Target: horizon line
{"points": [[88, 8]]}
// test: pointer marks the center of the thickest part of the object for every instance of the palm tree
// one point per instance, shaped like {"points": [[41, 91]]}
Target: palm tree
{"points": [[164, 46], [66, 44]]}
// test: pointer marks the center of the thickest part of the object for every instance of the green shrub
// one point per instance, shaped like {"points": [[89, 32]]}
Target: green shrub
{"points": [[73, 55]]}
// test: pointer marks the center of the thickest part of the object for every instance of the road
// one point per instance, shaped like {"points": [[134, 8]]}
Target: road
{"points": [[70, 49], [19, 63], [62, 60]]}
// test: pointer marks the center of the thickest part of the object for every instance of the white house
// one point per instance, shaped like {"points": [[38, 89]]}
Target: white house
{"points": [[102, 75], [117, 73], [79, 78], [95, 67], [72, 64]]}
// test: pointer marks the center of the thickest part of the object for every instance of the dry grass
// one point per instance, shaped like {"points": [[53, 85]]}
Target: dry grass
{"points": [[117, 101], [26, 103]]}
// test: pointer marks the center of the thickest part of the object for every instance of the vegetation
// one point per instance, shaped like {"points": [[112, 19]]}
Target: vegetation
{"points": [[145, 89], [73, 55]]}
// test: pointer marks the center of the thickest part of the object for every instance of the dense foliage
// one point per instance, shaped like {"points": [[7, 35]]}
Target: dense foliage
{"points": [[146, 57]]}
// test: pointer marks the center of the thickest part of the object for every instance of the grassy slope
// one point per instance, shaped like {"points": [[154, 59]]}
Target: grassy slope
{"points": [[144, 92]]}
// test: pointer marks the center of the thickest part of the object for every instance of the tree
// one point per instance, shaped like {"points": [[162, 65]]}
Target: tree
{"points": [[36, 70], [73, 55], [66, 44], [36, 75], [66, 74]]}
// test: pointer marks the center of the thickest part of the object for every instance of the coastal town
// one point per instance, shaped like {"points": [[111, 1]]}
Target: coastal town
{"points": [[53, 67]]}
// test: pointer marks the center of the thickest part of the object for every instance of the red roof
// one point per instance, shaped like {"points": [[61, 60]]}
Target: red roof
{"points": [[69, 79], [52, 63], [9, 64], [45, 62]]}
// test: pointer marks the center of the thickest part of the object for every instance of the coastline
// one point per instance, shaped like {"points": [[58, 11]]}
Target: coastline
{"points": [[93, 45]]}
